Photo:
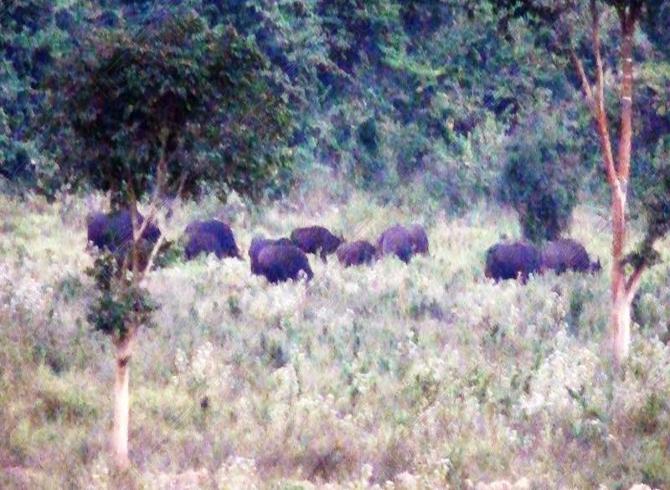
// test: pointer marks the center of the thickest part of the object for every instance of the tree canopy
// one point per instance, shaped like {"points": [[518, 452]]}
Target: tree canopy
{"points": [[173, 93]]}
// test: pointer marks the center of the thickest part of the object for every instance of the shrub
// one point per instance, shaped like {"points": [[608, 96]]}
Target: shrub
{"points": [[370, 165], [656, 201], [541, 177]]}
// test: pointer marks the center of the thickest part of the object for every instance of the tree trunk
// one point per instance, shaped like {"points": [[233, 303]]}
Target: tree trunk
{"points": [[617, 172], [121, 404], [620, 307], [622, 292], [620, 324]]}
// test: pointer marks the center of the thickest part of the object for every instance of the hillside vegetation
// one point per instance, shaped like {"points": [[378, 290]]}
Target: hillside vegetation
{"points": [[383, 94]]}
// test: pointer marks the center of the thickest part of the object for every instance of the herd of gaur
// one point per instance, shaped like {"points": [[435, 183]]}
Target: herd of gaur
{"points": [[285, 259]]}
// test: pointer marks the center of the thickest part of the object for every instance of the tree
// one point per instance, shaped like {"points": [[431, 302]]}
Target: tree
{"points": [[567, 20], [167, 108], [542, 175]]}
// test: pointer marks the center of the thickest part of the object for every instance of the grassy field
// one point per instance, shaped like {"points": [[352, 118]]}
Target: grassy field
{"points": [[393, 377]]}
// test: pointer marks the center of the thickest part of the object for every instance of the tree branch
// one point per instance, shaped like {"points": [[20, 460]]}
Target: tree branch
{"points": [[161, 169], [586, 85], [154, 251], [125, 344], [599, 102], [633, 282], [182, 183], [595, 34], [626, 96], [133, 250], [155, 206]]}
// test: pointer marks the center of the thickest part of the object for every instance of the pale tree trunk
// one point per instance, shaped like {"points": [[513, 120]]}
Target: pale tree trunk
{"points": [[124, 344], [621, 297], [122, 402], [620, 326], [617, 172], [623, 291], [124, 350]]}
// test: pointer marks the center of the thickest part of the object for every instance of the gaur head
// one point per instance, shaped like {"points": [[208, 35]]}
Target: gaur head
{"points": [[331, 242], [566, 254], [419, 239]]}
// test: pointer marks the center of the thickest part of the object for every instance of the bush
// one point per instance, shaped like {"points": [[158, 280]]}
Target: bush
{"points": [[541, 177], [466, 171], [370, 166], [656, 201]]}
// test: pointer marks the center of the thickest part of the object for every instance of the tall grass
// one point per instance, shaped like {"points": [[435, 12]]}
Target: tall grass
{"points": [[424, 375]]}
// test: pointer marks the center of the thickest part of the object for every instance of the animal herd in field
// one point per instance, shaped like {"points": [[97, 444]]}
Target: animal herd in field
{"points": [[285, 258]]}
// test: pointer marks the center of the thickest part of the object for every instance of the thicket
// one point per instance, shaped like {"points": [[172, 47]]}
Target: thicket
{"points": [[383, 95], [542, 177]]}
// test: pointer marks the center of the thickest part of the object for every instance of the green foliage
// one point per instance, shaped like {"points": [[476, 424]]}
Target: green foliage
{"points": [[371, 167], [432, 73], [29, 41], [656, 23], [656, 200], [542, 176], [357, 29], [652, 113], [172, 91], [57, 400], [118, 305], [15, 163], [468, 170]]}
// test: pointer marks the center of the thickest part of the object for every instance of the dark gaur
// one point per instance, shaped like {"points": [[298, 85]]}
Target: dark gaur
{"points": [[397, 241], [258, 243], [279, 263], [356, 253], [567, 254], [512, 260], [113, 230], [315, 239], [210, 236]]}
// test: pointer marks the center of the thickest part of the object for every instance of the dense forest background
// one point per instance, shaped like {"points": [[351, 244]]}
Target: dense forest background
{"points": [[385, 95]]}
